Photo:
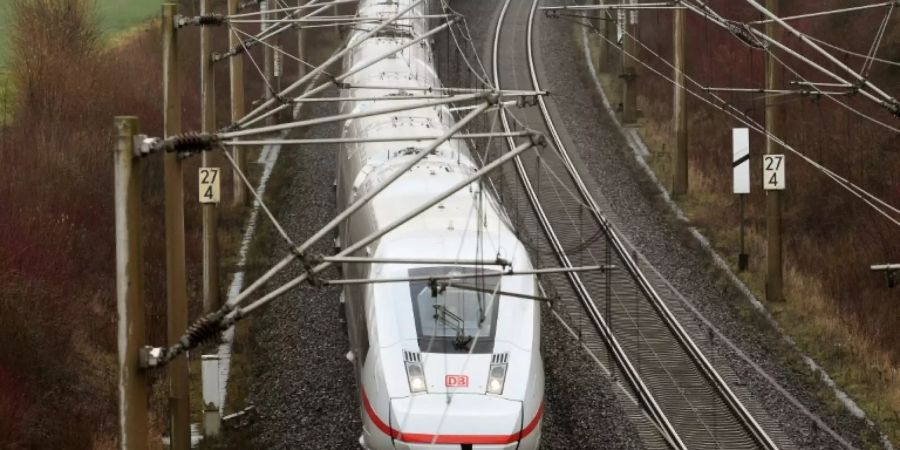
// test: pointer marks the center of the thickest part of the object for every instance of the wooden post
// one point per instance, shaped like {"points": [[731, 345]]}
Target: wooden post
{"points": [[133, 414], [774, 263], [680, 181], [176, 278], [629, 69], [211, 294], [238, 108]]}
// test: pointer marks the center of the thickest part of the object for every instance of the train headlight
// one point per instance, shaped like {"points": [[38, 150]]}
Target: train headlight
{"points": [[496, 379], [416, 377]]}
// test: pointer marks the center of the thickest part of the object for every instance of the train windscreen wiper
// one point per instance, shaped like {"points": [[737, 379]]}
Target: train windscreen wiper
{"points": [[456, 323]]}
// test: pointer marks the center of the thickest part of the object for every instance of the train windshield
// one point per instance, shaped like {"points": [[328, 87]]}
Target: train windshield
{"points": [[455, 317]]}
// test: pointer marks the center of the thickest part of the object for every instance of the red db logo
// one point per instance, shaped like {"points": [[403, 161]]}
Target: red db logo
{"points": [[456, 381]]}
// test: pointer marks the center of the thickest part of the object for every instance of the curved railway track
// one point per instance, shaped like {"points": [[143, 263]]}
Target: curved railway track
{"points": [[683, 398]]}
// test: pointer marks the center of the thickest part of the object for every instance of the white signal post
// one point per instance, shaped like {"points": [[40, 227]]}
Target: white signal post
{"points": [[740, 163]]}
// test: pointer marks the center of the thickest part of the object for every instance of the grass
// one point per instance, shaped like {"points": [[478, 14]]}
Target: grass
{"points": [[811, 316], [115, 16]]}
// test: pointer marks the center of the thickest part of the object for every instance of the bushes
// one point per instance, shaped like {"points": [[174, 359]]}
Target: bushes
{"points": [[57, 282], [57, 304], [830, 235]]}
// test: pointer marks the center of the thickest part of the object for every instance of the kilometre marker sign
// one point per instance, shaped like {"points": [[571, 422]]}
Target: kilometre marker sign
{"points": [[773, 172], [210, 185]]}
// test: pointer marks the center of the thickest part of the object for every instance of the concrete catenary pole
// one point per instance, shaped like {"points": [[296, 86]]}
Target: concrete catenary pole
{"points": [[774, 280], [211, 294], [268, 54], [629, 69], [603, 50], [176, 279], [238, 108], [133, 414], [301, 50], [680, 181]]}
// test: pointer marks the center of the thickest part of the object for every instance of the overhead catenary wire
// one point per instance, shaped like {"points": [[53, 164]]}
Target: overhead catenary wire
{"points": [[327, 63], [229, 313], [877, 94], [870, 199], [876, 43], [332, 141], [338, 79], [742, 117], [277, 49], [852, 53], [268, 32], [212, 324], [348, 116], [289, 9], [333, 20], [710, 15], [828, 12], [259, 200]]}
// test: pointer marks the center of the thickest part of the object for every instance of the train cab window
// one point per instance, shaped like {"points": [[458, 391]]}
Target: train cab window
{"points": [[458, 318]]}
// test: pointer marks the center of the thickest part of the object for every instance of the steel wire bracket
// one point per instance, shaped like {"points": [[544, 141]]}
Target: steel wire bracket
{"points": [[309, 264]]}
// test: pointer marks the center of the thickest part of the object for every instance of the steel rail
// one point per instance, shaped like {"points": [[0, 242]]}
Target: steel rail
{"points": [[642, 392], [631, 266]]}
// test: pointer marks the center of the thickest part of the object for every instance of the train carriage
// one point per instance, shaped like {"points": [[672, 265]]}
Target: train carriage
{"points": [[440, 365]]}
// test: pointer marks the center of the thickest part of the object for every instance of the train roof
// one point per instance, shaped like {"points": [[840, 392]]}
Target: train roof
{"points": [[451, 223]]}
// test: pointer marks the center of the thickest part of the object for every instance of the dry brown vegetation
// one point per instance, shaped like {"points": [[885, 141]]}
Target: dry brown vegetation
{"points": [[842, 313], [57, 284]]}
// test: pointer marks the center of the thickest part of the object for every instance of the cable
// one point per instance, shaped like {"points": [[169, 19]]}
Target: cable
{"points": [[259, 199], [852, 53], [760, 40], [876, 43], [253, 60], [743, 118], [849, 185]]}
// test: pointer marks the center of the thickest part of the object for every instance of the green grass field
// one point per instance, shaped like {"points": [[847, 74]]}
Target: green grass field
{"points": [[115, 16]]}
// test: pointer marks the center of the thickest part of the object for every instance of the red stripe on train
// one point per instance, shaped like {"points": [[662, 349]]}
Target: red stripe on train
{"points": [[422, 438]]}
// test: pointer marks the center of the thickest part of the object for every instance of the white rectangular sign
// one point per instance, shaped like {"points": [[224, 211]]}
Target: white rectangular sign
{"points": [[740, 160], [210, 376], [621, 16], [773, 172], [210, 185], [278, 62]]}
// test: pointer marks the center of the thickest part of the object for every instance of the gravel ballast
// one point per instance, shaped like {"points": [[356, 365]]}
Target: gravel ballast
{"points": [[302, 384], [640, 212]]}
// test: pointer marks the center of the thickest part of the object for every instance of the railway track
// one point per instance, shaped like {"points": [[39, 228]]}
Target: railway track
{"points": [[677, 397]]}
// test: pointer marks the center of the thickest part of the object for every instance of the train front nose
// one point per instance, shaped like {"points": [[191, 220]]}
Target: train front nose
{"points": [[466, 421]]}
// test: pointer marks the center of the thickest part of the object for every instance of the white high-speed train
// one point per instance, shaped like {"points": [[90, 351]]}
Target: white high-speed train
{"points": [[439, 365]]}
